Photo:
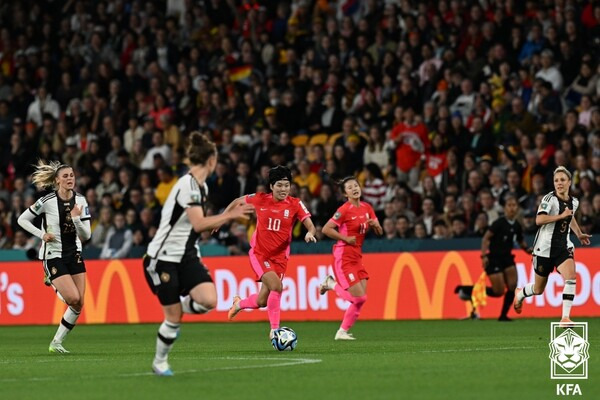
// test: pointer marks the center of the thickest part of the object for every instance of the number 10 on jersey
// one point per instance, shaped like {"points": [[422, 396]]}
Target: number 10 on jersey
{"points": [[274, 224]]}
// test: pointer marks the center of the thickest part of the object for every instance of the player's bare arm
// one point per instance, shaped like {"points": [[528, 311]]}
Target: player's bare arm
{"points": [[374, 223], [543, 219], [200, 223], [312, 231], [584, 238], [330, 231], [485, 247]]}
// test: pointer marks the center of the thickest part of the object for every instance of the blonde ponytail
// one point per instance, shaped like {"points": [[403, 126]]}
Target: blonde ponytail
{"points": [[44, 176]]}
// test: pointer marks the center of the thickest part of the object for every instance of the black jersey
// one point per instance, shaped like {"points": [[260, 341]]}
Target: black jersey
{"points": [[505, 232]]}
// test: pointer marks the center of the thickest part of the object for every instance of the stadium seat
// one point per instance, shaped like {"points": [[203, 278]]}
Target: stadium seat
{"points": [[300, 140], [319, 138]]}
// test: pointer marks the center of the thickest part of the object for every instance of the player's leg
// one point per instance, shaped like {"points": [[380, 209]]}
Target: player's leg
{"points": [[509, 279], [542, 267], [567, 270], [358, 297], [272, 297], [71, 288], [167, 334], [251, 302], [202, 295]]}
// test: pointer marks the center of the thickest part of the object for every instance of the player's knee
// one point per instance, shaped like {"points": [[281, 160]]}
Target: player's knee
{"points": [[73, 300], [209, 304], [359, 300]]}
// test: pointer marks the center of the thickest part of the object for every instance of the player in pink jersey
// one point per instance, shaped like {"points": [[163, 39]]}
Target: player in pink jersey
{"points": [[353, 219], [276, 214]]}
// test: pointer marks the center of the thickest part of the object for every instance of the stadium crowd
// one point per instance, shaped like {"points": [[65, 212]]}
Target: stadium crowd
{"points": [[441, 108]]}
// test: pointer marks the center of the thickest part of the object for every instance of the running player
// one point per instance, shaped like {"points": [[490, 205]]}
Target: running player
{"points": [[498, 261], [66, 223], [270, 245], [172, 265], [353, 219], [552, 246]]}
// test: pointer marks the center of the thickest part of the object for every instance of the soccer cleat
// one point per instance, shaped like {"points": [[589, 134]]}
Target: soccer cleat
{"points": [[162, 368], [235, 308], [327, 284], [566, 322], [504, 319], [518, 305], [343, 335], [47, 280], [57, 348], [272, 334]]}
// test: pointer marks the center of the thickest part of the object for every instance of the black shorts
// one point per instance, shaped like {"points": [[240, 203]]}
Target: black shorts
{"points": [[169, 280], [497, 264], [543, 266], [56, 267]]}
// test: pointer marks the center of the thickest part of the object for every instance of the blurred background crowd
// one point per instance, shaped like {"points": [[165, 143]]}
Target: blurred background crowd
{"points": [[441, 108]]}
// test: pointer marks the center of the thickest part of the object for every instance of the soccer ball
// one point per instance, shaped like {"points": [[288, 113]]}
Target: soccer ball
{"points": [[284, 339]]}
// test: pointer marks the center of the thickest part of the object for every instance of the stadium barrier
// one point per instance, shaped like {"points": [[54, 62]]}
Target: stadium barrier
{"points": [[402, 286]]}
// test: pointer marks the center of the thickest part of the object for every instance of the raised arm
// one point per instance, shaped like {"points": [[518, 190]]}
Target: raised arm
{"points": [[543, 219]]}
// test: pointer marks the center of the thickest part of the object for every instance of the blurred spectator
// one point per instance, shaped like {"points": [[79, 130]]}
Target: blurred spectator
{"points": [[119, 240], [101, 227], [166, 181]]}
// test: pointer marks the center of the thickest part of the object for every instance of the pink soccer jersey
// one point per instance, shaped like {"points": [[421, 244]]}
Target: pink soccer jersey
{"points": [[275, 221], [352, 221]]}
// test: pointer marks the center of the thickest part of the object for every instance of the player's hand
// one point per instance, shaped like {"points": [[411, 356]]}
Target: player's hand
{"points": [[48, 237], [351, 240], [374, 223], [76, 211], [309, 237], [242, 211], [584, 238], [529, 250], [567, 213]]}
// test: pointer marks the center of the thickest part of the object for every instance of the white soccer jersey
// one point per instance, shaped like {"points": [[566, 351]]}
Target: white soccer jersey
{"points": [[554, 236], [176, 237], [56, 219]]}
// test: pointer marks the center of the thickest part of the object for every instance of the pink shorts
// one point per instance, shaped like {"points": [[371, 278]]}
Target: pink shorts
{"points": [[261, 265], [348, 272]]}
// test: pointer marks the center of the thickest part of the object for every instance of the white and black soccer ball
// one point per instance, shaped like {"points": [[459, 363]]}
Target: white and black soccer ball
{"points": [[284, 339]]}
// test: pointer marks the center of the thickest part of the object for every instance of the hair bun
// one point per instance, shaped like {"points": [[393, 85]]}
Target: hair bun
{"points": [[197, 138]]}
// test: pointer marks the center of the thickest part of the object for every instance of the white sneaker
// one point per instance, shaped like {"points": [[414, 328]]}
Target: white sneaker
{"points": [[272, 334], [161, 368], [57, 348], [343, 335], [328, 284]]}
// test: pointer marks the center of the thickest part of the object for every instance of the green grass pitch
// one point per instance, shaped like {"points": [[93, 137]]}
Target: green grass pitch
{"points": [[390, 360]]}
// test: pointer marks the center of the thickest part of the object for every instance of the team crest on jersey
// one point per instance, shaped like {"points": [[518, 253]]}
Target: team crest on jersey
{"points": [[165, 277], [286, 213], [54, 271], [351, 276], [544, 206], [337, 215], [267, 264], [37, 206], [195, 196]]}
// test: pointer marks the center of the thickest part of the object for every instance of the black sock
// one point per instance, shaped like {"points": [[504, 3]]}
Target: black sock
{"points": [[509, 296], [467, 290]]}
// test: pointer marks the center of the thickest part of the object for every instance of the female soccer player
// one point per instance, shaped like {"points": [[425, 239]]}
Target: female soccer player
{"points": [[352, 219], [66, 224], [172, 265], [552, 246], [497, 258], [270, 245]]}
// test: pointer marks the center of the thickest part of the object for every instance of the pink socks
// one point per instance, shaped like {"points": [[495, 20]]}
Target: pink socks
{"points": [[273, 309]]}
